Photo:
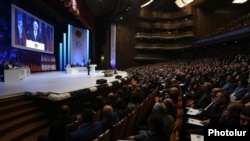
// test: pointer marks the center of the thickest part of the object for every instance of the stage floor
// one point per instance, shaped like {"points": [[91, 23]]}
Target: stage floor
{"points": [[56, 82]]}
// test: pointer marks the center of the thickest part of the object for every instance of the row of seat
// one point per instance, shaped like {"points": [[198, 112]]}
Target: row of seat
{"points": [[126, 126]]}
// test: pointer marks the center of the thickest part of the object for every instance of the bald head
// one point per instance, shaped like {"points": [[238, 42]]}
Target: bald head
{"points": [[107, 110]]}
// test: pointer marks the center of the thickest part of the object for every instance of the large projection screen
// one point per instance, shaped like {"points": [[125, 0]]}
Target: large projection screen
{"points": [[31, 33]]}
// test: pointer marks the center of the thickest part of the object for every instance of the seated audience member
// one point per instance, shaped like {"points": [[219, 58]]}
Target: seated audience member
{"points": [[6, 65], [231, 115], [239, 91], [109, 117], [89, 130], [111, 98], [156, 130], [58, 128], [214, 91], [120, 107], [203, 97], [213, 94], [213, 114], [174, 94], [16, 65], [245, 115], [191, 87], [133, 103], [229, 86], [99, 103], [246, 98], [159, 108], [170, 107]]}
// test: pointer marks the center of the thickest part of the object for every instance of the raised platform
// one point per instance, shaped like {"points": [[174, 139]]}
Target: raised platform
{"points": [[56, 82]]}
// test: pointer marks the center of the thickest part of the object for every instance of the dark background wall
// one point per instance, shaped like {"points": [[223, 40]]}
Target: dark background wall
{"points": [[205, 22], [60, 17]]}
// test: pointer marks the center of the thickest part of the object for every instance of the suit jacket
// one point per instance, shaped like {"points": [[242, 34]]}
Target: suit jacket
{"points": [[239, 92], [108, 122], [86, 132], [38, 36], [57, 130], [229, 87], [161, 136]]}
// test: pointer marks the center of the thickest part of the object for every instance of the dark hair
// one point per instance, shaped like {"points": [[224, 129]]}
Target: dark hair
{"points": [[64, 111], [88, 115]]}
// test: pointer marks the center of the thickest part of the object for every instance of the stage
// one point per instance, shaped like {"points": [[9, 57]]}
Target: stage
{"points": [[55, 82]]}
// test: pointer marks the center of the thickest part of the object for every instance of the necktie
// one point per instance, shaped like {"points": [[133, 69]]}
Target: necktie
{"points": [[35, 33]]}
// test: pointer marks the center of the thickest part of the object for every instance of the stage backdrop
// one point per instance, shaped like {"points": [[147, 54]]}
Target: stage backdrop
{"points": [[78, 45]]}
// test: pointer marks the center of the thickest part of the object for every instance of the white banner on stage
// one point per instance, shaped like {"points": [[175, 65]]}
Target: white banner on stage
{"points": [[78, 46], [35, 45]]}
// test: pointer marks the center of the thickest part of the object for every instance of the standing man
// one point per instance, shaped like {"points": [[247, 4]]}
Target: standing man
{"points": [[88, 67], [35, 33]]}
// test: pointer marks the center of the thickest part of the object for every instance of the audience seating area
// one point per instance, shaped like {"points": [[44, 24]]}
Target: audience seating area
{"points": [[152, 84]]}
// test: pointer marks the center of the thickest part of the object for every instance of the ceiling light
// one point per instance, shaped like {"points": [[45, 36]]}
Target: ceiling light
{"points": [[187, 1], [180, 3], [239, 1], [147, 3]]}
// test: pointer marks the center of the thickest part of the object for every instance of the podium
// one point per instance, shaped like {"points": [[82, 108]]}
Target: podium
{"points": [[92, 69], [35, 45]]}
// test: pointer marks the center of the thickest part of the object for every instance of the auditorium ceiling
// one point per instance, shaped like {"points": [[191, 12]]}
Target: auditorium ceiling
{"points": [[103, 7], [112, 10], [106, 11]]}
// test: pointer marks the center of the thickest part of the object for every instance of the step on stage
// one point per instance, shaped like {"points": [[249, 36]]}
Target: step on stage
{"points": [[56, 82]]}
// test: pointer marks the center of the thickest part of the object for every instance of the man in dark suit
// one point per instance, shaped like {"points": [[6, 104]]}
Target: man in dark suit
{"points": [[35, 34], [58, 128], [88, 66], [89, 130]]}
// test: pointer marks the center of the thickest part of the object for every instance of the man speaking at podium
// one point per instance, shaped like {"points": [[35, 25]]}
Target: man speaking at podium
{"points": [[88, 66], [35, 35]]}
